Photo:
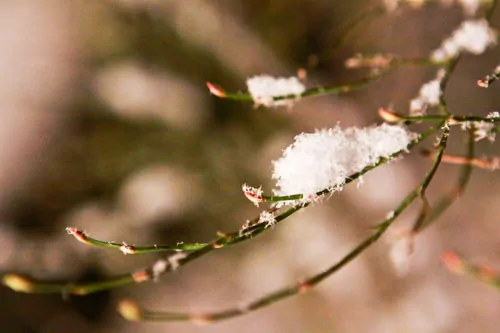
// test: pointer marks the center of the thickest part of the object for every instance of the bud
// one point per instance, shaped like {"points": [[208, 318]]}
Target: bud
{"points": [[129, 310], [302, 74], [483, 83], [453, 262], [79, 235], [141, 276], [216, 90], [18, 283], [304, 287], [389, 116], [253, 194], [201, 319]]}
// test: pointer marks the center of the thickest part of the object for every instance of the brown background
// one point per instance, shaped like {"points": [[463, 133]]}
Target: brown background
{"points": [[106, 125]]}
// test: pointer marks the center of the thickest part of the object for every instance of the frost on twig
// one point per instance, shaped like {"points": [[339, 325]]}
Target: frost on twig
{"points": [[264, 89], [326, 158], [254, 194], [268, 218], [483, 129], [429, 95]]}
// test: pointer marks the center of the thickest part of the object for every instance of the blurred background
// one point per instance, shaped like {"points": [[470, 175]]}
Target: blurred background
{"points": [[106, 125]]}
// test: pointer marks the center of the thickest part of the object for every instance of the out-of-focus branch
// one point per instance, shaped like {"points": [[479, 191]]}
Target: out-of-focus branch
{"points": [[458, 265]]}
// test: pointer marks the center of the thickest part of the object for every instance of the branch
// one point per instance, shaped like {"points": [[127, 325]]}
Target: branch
{"points": [[131, 249], [488, 163], [131, 311], [220, 92], [447, 200], [423, 187], [153, 273], [458, 265]]}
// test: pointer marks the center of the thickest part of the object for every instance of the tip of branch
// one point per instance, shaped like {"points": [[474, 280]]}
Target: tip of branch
{"points": [[253, 194], [216, 90], [453, 262], [129, 310], [18, 283], [78, 234], [483, 83], [389, 116]]}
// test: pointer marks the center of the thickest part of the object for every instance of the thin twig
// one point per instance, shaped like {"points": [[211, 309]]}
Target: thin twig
{"points": [[132, 311], [483, 273], [447, 200], [131, 249], [218, 91], [426, 209], [224, 240], [488, 163]]}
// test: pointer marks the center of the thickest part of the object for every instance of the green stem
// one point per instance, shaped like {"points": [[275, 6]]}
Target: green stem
{"points": [[148, 315], [224, 240], [317, 91], [437, 160], [448, 199], [483, 273], [451, 118], [131, 249]]}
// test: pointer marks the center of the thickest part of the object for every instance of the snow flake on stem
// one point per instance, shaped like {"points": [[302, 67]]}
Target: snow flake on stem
{"points": [[265, 88], [268, 218], [324, 159], [482, 129], [159, 268], [253, 194], [175, 260], [429, 96]]}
